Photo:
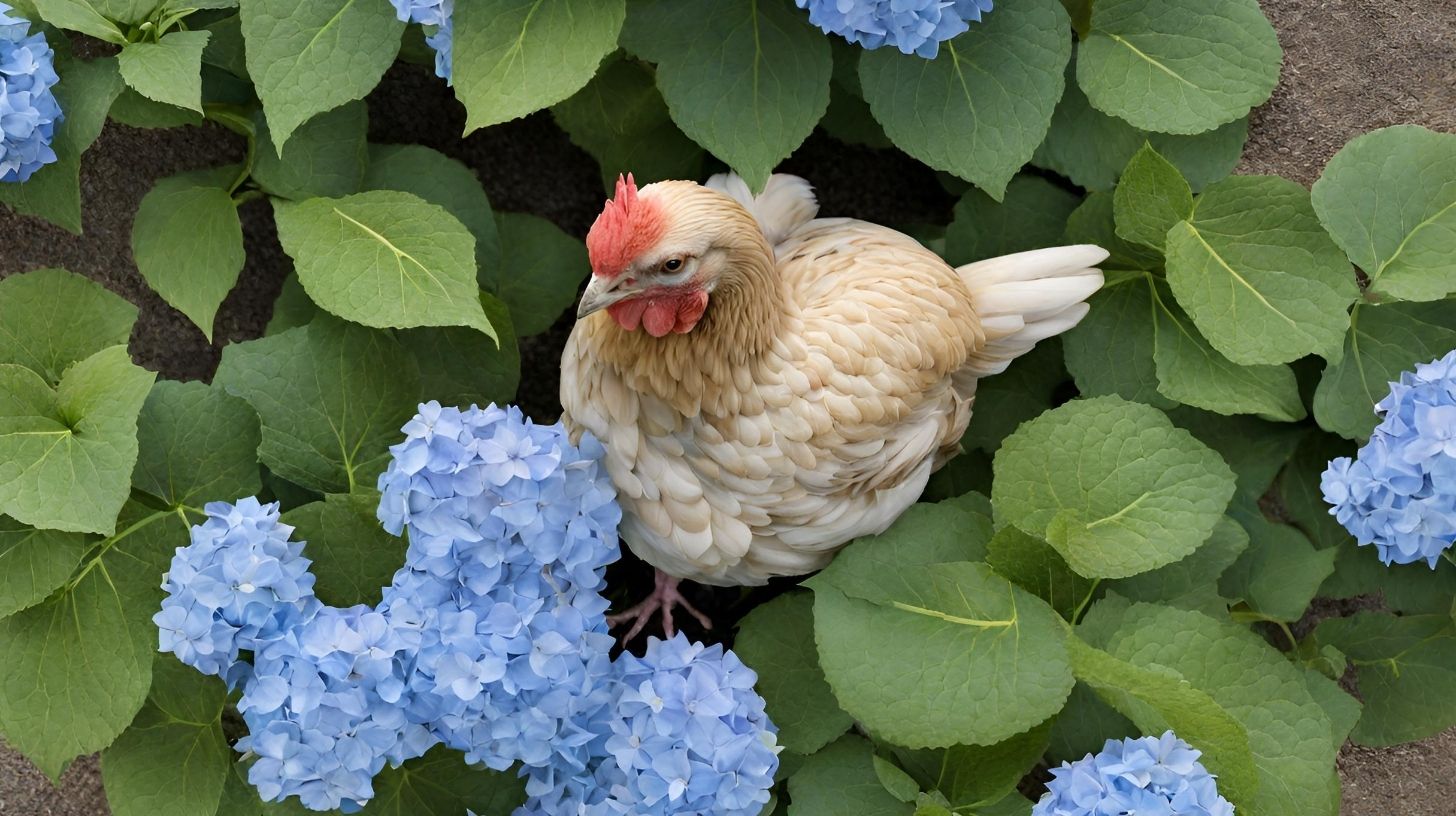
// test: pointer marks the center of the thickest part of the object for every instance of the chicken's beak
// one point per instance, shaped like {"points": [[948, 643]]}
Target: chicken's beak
{"points": [[600, 293]]}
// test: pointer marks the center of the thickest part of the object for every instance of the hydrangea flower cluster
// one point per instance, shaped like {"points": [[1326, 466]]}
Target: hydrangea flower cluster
{"points": [[29, 111], [491, 639], [913, 26], [1152, 775], [437, 13], [1399, 493]]}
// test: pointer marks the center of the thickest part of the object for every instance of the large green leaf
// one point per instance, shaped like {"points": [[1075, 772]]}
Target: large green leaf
{"points": [[1280, 572], [621, 119], [777, 641], [974, 776], [66, 454], [1259, 275], [1150, 198], [1405, 667], [541, 270], [1383, 341], [197, 444], [174, 759], [1091, 148], [79, 15], [746, 79], [1178, 66], [326, 155], [1253, 448], [332, 397], [1033, 214], [353, 557], [384, 259], [168, 70], [188, 245], [441, 784], [514, 57], [1112, 485], [78, 666], [34, 562], [982, 106], [444, 182], [1190, 583], [1411, 589], [1111, 350], [1093, 222], [85, 92], [50, 318], [931, 655], [840, 781], [1023, 390], [307, 58], [460, 366], [1289, 733], [1036, 567], [1389, 200]]}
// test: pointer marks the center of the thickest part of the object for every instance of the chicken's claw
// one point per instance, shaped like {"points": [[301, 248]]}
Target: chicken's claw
{"points": [[662, 600]]}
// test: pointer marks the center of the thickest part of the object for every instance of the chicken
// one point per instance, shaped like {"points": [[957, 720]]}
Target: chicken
{"points": [[770, 385]]}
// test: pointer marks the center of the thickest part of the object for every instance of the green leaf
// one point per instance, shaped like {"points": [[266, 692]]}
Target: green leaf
{"points": [[1409, 589], [441, 784], [352, 555], [777, 640], [326, 155], [197, 444], [1299, 489], [1091, 148], [1021, 392], [293, 308], [1190, 583], [78, 666], [897, 782], [66, 455], [79, 15], [168, 70], [384, 259], [1033, 565], [1093, 223], [1178, 66], [174, 759], [1289, 733], [50, 318], [1111, 350], [312, 57], [1157, 698], [126, 11], [540, 273], [332, 397], [1256, 450], [514, 57], [1032, 215], [936, 655], [444, 182], [1111, 485], [973, 775], [1383, 341], [1389, 200], [746, 79], [623, 122], [460, 366], [1150, 198], [134, 110], [85, 92], [188, 245], [981, 107], [1259, 275], [840, 781], [951, 530], [1405, 667], [34, 562], [1084, 725], [1192, 372], [225, 49], [849, 119], [1280, 572]]}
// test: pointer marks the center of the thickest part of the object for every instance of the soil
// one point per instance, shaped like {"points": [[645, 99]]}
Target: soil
{"points": [[1350, 67]]}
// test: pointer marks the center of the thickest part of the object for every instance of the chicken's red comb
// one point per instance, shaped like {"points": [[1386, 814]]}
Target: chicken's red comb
{"points": [[627, 227]]}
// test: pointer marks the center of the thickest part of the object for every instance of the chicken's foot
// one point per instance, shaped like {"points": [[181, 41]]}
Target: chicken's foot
{"points": [[661, 601]]}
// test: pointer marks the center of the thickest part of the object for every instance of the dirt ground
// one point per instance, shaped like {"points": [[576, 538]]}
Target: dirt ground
{"points": [[1350, 66]]}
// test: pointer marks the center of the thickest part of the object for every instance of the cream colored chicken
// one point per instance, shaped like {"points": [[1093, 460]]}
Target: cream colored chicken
{"points": [[770, 385]]}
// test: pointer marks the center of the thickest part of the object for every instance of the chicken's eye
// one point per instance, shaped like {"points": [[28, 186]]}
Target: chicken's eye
{"points": [[672, 264]]}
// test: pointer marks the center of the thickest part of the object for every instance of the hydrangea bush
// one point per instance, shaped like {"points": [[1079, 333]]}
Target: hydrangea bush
{"points": [[1132, 542]]}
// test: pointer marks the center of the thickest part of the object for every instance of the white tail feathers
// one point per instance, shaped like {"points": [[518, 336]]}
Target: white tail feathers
{"points": [[1027, 297], [786, 203]]}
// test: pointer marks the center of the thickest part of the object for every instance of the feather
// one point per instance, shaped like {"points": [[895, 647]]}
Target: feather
{"points": [[786, 203]]}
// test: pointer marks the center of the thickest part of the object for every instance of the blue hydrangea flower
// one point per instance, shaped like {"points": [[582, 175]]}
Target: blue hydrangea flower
{"points": [[440, 15], [29, 111], [913, 26], [1399, 493], [1150, 775]]}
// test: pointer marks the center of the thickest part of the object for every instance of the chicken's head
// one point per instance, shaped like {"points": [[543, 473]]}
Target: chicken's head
{"points": [[657, 254]]}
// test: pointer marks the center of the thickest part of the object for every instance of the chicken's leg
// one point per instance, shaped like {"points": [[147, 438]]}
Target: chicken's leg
{"points": [[662, 600]]}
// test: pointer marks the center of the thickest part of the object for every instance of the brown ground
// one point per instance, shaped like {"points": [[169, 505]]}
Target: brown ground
{"points": [[1350, 66]]}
